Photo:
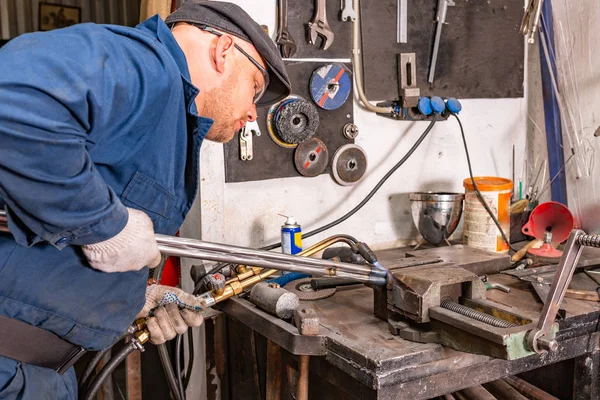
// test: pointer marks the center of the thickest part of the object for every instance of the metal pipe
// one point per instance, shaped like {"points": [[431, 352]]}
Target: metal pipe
{"points": [[357, 64], [241, 255], [527, 389], [182, 247]]}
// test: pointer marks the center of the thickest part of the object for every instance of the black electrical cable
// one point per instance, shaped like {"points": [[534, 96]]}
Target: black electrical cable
{"points": [[168, 370], [350, 213], [178, 376], [90, 367], [108, 370], [370, 195], [188, 372], [479, 196]]}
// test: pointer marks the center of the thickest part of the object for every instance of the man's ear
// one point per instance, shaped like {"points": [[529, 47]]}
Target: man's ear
{"points": [[223, 52]]}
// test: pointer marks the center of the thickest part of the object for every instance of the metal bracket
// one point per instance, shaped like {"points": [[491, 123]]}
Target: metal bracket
{"points": [[245, 144], [407, 68]]}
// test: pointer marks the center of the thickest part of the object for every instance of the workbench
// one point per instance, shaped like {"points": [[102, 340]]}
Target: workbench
{"points": [[356, 357]]}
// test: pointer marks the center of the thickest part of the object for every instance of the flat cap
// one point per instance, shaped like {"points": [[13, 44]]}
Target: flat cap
{"points": [[230, 18]]}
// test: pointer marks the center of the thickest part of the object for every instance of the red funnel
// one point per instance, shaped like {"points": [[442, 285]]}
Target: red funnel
{"points": [[550, 217]]}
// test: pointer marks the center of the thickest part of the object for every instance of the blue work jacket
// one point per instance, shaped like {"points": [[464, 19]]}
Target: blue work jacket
{"points": [[93, 119]]}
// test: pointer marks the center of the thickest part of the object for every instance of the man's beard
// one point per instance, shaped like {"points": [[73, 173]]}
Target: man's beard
{"points": [[219, 107]]}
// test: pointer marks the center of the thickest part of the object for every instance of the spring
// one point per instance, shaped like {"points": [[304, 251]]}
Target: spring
{"points": [[589, 240], [476, 315]]}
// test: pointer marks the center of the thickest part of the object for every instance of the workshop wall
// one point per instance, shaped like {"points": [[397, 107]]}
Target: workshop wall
{"points": [[21, 16], [247, 213], [578, 80]]}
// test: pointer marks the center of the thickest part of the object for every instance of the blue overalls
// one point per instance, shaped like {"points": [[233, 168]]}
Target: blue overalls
{"points": [[93, 119]]}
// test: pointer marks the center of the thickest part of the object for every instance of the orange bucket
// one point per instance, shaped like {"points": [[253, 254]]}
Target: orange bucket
{"points": [[479, 230]]}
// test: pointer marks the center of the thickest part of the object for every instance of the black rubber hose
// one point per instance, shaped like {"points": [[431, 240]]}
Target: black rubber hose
{"points": [[108, 370], [168, 369], [178, 342], [89, 368], [479, 196], [188, 373]]}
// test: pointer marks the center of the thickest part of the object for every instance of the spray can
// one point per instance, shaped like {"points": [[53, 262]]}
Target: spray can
{"points": [[291, 236]]}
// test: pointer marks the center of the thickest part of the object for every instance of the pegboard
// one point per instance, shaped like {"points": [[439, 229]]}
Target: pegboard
{"points": [[270, 160], [301, 12], [481, 51], [273, 161]]}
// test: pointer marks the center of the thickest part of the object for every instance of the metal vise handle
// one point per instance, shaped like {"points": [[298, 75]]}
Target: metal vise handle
{"points": [[538, 339]]}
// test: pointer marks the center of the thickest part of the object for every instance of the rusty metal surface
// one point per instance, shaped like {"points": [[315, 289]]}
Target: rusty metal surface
{"points": [[422, 288], [359, 344], [282, 333], [307, 321]]}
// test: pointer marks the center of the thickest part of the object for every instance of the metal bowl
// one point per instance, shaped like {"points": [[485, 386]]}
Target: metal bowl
{"points": [[436, 214]]}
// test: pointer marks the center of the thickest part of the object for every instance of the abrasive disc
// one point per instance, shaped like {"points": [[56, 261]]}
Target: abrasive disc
{"points": [[311, 157], [296, 121], [330, 86], [349, 164], [304, 291]]}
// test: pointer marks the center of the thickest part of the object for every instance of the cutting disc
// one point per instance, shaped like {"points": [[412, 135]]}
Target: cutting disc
{"points": [[349, 164], [304, 291], [330, 86], [311, 157]]}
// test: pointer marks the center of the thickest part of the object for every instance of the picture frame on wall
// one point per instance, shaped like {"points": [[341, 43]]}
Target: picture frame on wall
{"points": [[56, 16]]}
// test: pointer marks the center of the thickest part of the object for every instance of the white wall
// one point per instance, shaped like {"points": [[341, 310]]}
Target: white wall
{"points": [[578, 62], [246, 213]]}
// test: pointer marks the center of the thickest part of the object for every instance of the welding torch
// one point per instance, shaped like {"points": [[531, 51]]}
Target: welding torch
{"points": [[263, 263]]}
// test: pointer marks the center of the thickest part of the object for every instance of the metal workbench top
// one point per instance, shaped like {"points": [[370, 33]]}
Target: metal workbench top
{"points": [[360, 345]]}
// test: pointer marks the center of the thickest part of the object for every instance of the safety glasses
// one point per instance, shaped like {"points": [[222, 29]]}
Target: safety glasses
{"points": [[259, 89]]}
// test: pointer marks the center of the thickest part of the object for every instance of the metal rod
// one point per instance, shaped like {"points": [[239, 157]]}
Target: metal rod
{"points": [[303, 364], [527, 389], [476, 315], [182, 247], [246, 256]]}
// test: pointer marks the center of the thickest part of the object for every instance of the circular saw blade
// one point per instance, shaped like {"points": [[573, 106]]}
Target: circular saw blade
{"points": [[304, 291], [349, 164], [311, 157]]}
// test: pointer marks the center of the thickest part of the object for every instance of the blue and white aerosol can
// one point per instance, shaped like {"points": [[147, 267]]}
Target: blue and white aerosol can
{"points": [[291, 236]]}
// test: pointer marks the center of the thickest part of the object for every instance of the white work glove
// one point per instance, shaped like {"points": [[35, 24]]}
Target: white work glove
{"points": [[172, 311], [131, 249]]}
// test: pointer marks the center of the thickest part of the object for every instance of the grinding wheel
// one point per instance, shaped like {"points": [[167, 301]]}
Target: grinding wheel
{"points": [[311, 157], [349, 164], [292, 121], [304, 290]]}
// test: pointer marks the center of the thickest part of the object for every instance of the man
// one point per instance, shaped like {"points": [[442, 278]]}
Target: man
{"points": [[100, 132]]}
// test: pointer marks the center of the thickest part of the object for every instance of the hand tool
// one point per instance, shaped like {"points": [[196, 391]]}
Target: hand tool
{"points": [[320, 27], [491, 285], [286, 43], [531, 19], [440, 18], [348, 11], [521, 253], [327, 283], [402, 21]]}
